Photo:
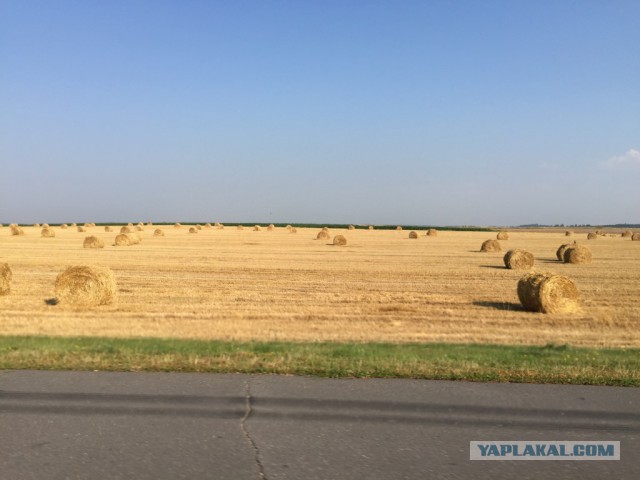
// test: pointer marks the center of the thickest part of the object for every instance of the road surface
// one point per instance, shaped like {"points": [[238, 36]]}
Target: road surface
{"points": [[95, 425]]}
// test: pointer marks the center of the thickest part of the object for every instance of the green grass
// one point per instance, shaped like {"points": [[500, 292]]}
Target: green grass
{"points": [[492, 363]]}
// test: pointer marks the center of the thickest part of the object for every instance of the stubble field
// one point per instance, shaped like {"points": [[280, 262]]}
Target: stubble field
{"points": [[274, 285]]}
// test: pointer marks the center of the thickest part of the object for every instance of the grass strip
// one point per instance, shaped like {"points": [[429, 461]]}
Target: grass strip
{"points": [[472, 362]]}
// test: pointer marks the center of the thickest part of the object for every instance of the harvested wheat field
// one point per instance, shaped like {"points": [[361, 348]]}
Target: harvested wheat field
{"points": [[239, 284]]}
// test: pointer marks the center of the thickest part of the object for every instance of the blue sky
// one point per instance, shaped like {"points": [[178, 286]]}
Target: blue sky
{"points": [[413, 112]]}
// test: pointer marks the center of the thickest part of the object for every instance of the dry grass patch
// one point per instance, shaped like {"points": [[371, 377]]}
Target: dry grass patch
{"points": [[235, 286]]}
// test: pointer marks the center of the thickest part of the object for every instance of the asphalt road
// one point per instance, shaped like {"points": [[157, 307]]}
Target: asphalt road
{"points": [[85, 425]]}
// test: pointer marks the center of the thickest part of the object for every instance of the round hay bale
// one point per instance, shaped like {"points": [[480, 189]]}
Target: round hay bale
{"points": [[635, 237], [47, 233], [124, 240], [432, 232], [351, 227], [219, 226], [398, 227], [6, 275], [207, 225], [44, 225], [339, 240], [93, 242], [257, 228], [568, 233], [293, 230], [599, 232], [158, 233], [370, 227], [592, 236], [326, 229], [563, 248], [288, 227], [239, 227], [16, 230], [502, 236], [518, 259], [177, 225], [193, 230], [130, 225], [199, 227], [139, 228], [81, 229], [627, 234], [491, 246], [271, 227], [413, 234], [88, 225], [64, 226], [548, 293], [140, 224], [149, 224], [125, 229], [322, 235], [577, 254], [108, 229], [74, 225], [36, 225], [86, 286]]}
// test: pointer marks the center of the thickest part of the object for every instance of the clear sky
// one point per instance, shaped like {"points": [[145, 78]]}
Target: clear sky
{"points": [[329, 111]]}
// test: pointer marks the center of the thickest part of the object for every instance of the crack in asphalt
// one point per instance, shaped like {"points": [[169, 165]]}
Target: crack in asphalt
{"points": [[245, 430]]}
